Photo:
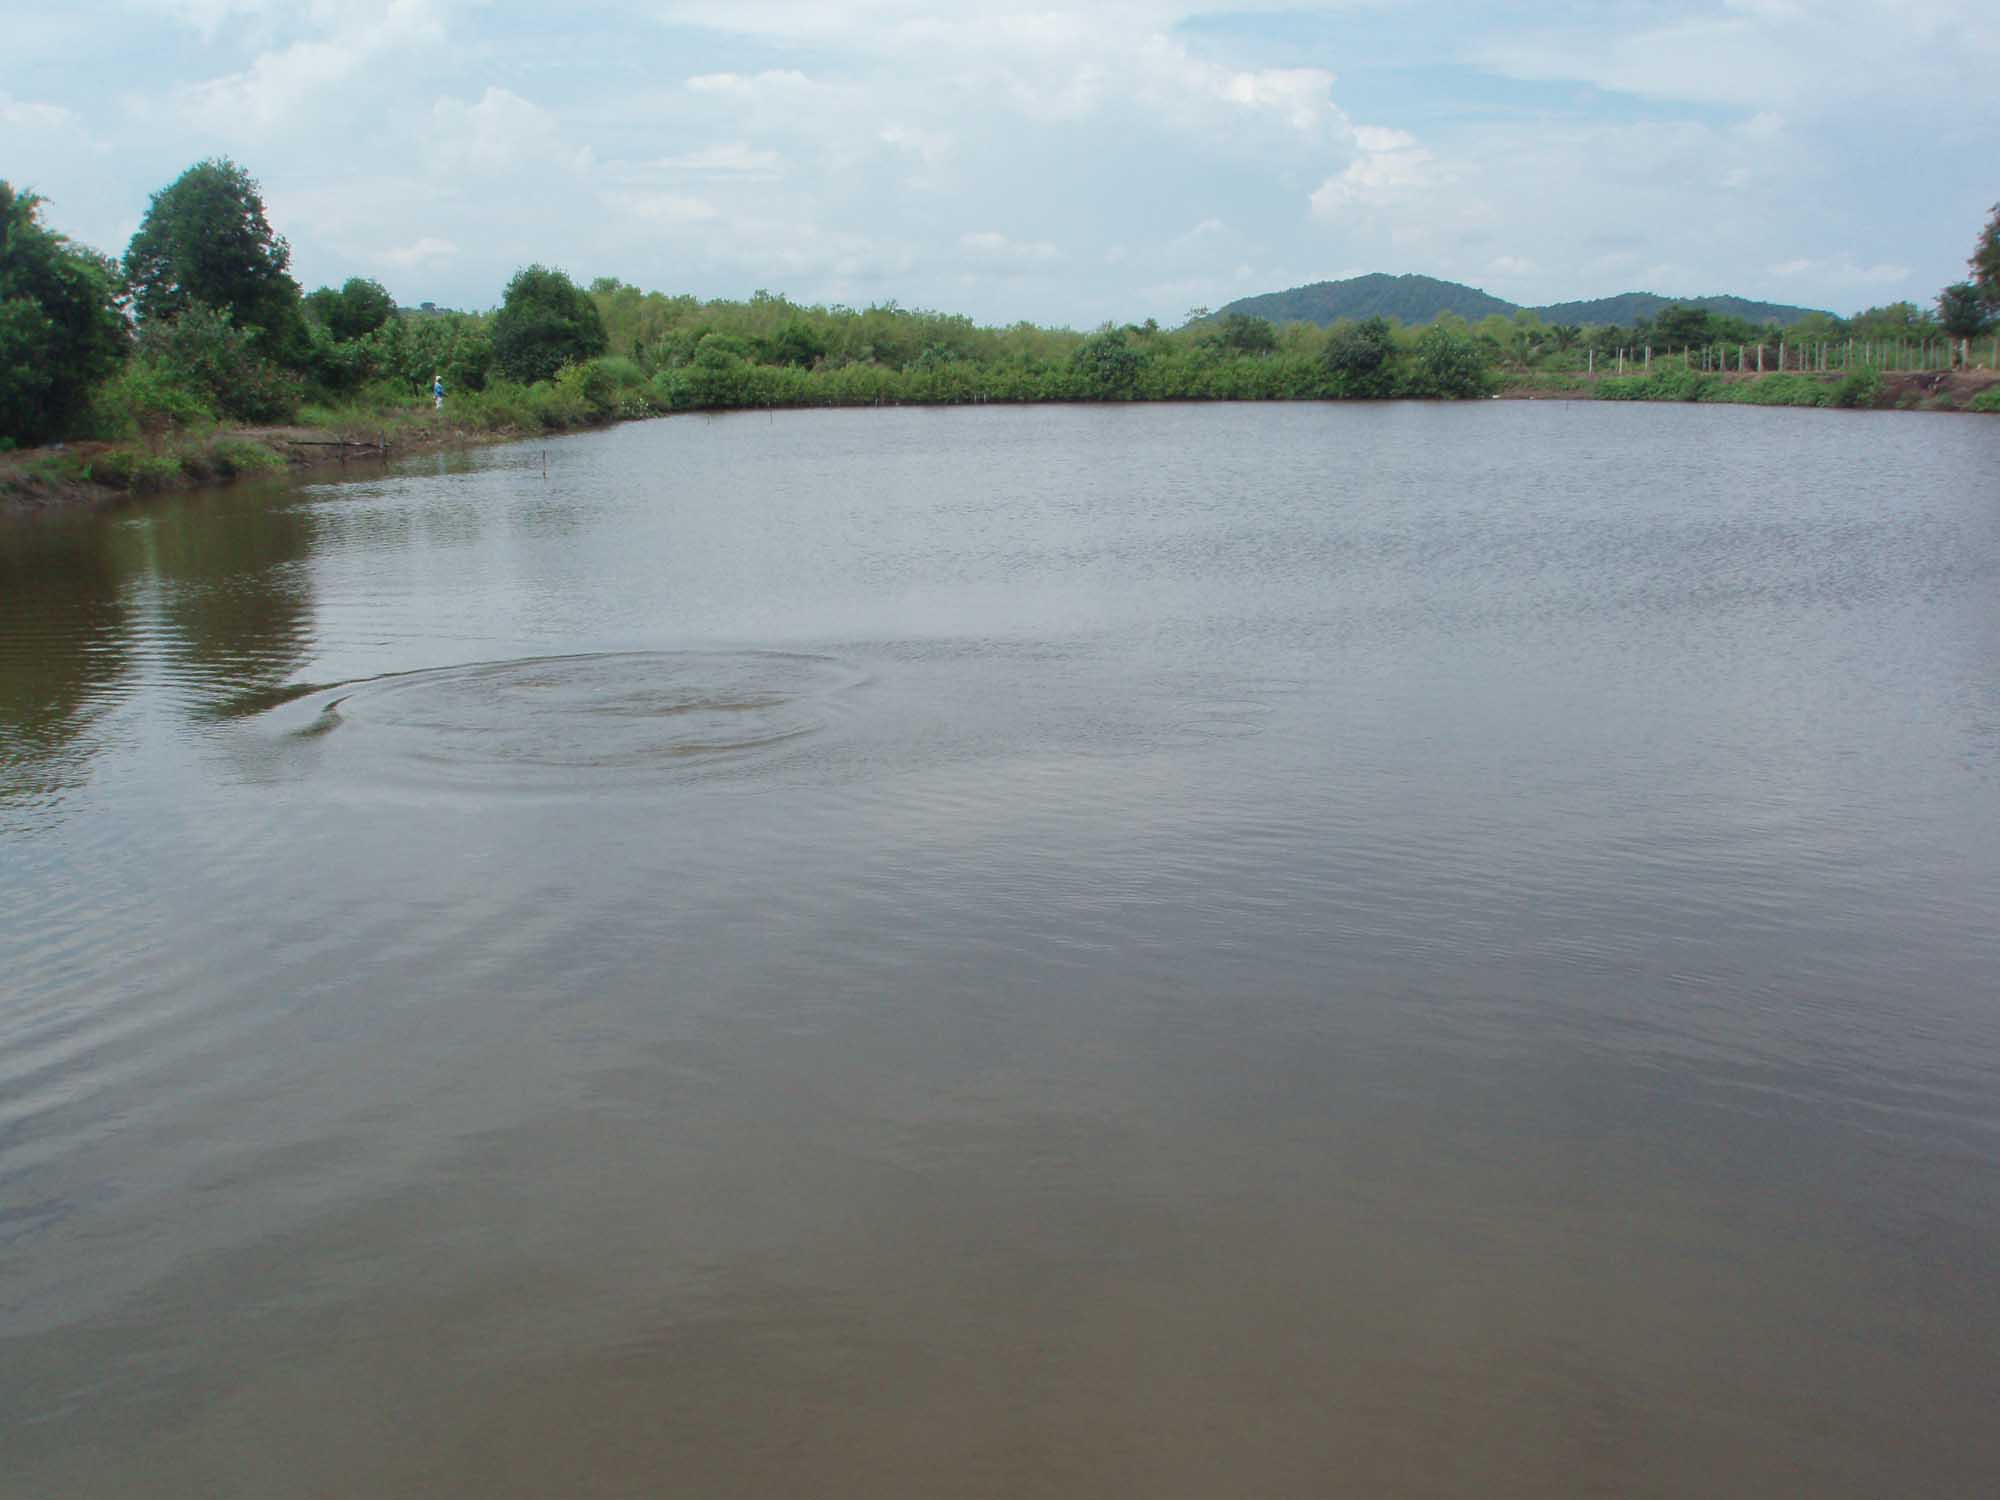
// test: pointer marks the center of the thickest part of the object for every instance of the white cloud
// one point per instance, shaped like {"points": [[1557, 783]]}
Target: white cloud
{"points": [[270, 91], [1391, 170], [23, 114], [1842, 272], [428, 251], [1818, 151], [723, 159], [991, 246], [932, 147], [281, 84], [1825, 58], [668, 209], [499, 134]]}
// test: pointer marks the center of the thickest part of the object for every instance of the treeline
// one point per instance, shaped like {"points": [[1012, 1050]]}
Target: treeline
{"points": [[1880, 336]]}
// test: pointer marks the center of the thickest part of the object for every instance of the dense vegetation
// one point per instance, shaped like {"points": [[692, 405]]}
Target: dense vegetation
{"points": [[61, 331], [203, 325]]}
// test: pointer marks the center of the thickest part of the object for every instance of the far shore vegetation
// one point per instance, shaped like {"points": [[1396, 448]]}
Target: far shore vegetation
{"points": [[198, 356]]}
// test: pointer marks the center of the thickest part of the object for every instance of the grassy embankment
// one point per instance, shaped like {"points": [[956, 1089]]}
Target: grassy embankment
{"points": [[1973, 390], [383, 421]]}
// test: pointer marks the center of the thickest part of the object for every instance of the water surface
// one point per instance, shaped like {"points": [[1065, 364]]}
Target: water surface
{"points": [[1178, 951]]}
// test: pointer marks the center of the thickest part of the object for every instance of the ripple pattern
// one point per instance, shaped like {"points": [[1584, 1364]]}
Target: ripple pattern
{"points": [[547, 721]]}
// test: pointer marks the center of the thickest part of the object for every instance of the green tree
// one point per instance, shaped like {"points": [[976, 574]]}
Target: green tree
{"points": [[205, 240], [1985, 261], [544, 323], [1108, 365], [1962, 311], [1239, 333], [61, 330], [1449, 363], [1684, 327], [1357, 356], [359, 308], [797, 343]]}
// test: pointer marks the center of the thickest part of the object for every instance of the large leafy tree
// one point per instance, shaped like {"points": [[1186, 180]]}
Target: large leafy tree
{"points": [[1357, 356], [544, 323], [205, 240], [1108, 366], [360, 307], [61, 327], [1985, 261], [1239, 333], [1963, 313], [1961, 310]]}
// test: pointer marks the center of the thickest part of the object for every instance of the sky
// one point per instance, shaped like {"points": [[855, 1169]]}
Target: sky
{"points": [[1064, 164]]}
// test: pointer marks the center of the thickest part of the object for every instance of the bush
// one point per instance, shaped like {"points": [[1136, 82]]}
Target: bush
{"points": [[146, 400], [1448, 363], [202, 348], [1669, 383], [134, 469], [230, 457], [1986, 400], [1862, 388], [588, 387]]}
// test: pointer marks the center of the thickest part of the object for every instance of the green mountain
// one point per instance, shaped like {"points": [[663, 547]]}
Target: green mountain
{"points": [[1419, 299], [1414, 299], [1629, 307]]}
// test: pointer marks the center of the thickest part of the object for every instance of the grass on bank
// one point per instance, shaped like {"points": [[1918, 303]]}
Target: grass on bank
{"points": [[162, 436]]}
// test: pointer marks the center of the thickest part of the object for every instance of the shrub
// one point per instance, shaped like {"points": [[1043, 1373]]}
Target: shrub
{"points": [[1862, 388], [588, 387], [230, 457], [203, 348], [1448, 363], [146, 400], [134, 469]]}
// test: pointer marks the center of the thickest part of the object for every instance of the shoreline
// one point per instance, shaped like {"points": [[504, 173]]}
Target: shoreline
{"points": [[62, 479]]}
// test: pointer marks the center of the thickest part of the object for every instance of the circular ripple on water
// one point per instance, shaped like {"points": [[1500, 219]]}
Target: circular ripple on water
{"points": [[551, 721]]}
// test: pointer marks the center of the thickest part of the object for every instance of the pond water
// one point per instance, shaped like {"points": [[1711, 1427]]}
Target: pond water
{"points": [[1168, 951]]}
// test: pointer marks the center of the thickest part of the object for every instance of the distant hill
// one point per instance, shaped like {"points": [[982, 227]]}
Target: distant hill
{"points": [[1419, 299], [1629, 307], [1414, 299]]}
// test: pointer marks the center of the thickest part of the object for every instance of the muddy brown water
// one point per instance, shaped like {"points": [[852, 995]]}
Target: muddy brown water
{"points": [[1175, 951]]}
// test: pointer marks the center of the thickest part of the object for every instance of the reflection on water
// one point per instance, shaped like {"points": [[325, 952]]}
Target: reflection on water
{"points": [[1273, 951], [65, 620]]}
